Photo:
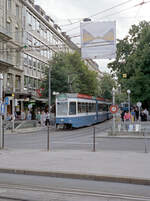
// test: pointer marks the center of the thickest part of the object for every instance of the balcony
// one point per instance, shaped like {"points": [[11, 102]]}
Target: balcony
{"points": [[4, 34], [5, 63]]}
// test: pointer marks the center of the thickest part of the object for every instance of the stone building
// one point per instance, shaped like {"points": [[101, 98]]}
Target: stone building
{"points": [[28, 40]]}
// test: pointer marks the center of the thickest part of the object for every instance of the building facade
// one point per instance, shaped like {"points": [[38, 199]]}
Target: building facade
{"points": [[28, 40]]}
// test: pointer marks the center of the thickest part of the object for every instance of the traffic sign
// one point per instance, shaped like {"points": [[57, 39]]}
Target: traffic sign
{"points": [[113, 109], [139, 104], [7, 101], [2, 109]]}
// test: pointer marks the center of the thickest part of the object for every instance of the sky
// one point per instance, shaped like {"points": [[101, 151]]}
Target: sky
{"points": [[69, 13]]}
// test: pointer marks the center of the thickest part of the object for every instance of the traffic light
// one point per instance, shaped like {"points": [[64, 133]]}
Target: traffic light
{"points": [[124, 75]]}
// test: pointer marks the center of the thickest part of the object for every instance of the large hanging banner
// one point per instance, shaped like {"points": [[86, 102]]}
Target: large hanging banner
{"points": [[98, 40]]}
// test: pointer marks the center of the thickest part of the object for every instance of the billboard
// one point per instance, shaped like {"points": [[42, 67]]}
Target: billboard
{"points": [[98, 40]]}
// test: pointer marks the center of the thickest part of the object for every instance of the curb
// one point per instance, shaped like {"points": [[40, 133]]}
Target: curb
{"points": [[28, 130], [108, 178], [124, 137]]}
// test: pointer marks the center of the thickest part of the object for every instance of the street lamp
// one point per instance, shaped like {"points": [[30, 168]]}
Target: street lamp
{"points": [[128, 92], [113, 93]]}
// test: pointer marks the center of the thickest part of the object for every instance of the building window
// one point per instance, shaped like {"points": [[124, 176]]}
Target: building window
{"points": [[30, 61], [18, 82], [16, 34], [25, 59], [34, 63], [8, 26], [17, 11], [9, 81], [9, 4]]}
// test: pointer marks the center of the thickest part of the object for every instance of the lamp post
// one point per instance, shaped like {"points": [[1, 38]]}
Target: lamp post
{"points": [[128, 92], [113, 95], [1, 100]]}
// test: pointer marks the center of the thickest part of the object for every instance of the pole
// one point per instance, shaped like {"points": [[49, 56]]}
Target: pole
{"points": [[48, 138], [113, 93], [49, 94], [1, 100], [13, 114], [129, 102], [3, 138], [93, 138]]}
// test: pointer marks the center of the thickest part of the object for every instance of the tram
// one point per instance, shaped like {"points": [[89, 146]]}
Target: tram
{"points": [[74, 110]]}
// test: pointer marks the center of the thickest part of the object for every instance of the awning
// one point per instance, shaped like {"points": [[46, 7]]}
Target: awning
{"points": [[43, 100]]}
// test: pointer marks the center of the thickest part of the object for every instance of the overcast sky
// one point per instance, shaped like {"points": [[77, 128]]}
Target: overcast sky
{"points": [[124, 12]]}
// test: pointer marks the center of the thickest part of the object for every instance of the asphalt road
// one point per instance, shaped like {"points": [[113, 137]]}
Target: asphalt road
{"points": [[77, 139], [23, 187]]}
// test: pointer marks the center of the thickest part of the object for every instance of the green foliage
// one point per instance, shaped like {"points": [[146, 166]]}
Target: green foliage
{"points": [[133, 58], [106, 85], [70, 74]]}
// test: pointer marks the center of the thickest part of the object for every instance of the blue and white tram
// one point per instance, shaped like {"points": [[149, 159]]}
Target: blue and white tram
{"points": [[74, 110]]}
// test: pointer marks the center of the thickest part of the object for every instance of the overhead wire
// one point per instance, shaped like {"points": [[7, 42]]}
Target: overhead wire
{"points": [[113, 14], [98, 13]]}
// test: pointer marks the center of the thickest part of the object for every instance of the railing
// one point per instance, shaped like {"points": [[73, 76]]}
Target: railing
{"points": [[6, 59], [5, 33]]}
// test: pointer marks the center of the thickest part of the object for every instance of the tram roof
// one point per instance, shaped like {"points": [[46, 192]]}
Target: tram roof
{"points": [[78, 95]]}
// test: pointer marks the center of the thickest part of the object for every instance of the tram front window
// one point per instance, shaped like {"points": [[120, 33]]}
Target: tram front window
{"points": [[72, 108], [62, 108]]}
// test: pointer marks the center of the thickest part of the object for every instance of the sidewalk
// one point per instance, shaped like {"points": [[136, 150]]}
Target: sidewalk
{"points": [[116, 166], [128, 167]]}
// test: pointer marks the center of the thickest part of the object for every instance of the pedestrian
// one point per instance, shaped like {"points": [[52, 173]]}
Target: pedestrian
{"points": [[29, 116], [145, 111], [122, 115], [133, 115], [23, 115], [47, 122], [127, 118], [38, 117], [143, 116], [9, 117], [136, 110], [43, 118]]}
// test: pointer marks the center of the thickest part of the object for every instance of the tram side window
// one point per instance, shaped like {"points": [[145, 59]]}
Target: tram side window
{"points": [[90, 107], [79, 107], [102, 107], [93, 107], [87, 107], [105, 108], [72, 108], [62, 108], [83, 107]]}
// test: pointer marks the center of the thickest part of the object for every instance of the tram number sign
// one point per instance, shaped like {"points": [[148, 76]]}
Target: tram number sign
{"points": [[113, 109]]}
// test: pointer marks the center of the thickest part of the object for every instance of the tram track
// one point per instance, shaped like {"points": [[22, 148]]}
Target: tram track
{"points": [[67, 192], [86, 131]]}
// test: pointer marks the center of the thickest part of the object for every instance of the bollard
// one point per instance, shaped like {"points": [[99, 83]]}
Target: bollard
{"points": [[145, 143], [48, 138], [93, 138], [3, 137]]}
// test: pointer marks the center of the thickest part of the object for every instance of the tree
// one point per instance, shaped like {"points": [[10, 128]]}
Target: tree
{"points": [[70, 74], [106, 84], [133, 60]]}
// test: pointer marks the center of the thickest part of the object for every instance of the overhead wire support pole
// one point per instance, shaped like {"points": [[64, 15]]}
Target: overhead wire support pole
{"points": [[1, 120], [113, 96], [49, 92]]}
